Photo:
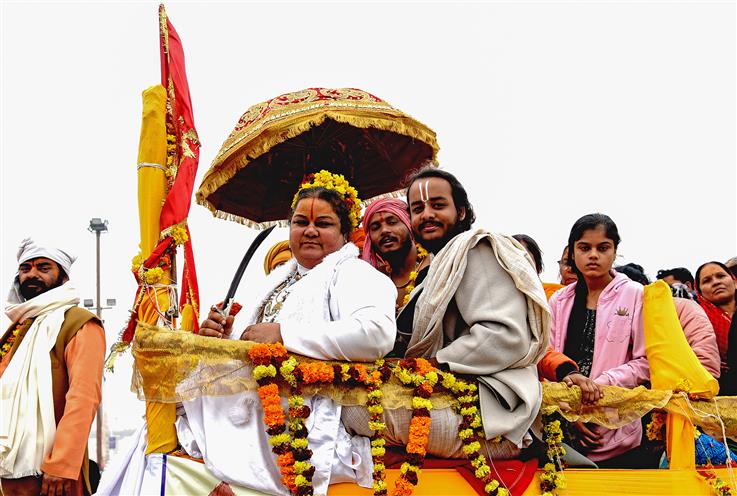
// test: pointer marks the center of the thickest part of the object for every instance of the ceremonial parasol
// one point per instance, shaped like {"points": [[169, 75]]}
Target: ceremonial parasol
{"points": [[276, 143]]}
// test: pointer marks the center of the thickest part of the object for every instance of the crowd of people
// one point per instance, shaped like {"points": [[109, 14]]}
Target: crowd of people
{"points": [[422, 282]]}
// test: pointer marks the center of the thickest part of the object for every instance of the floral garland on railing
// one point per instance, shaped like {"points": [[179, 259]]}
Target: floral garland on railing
{"points": [[471, 432], [553, 479], [288, 438], [373, 382], [267, 359], [419, 373]]}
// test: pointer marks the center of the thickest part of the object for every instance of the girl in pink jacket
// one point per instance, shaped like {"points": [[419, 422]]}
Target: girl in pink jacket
{"points": [[598, 323]]}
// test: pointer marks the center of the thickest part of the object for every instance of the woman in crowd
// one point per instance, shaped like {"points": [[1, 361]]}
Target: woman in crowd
{"points": [[598, 323], [715, 286], [324, 303]]}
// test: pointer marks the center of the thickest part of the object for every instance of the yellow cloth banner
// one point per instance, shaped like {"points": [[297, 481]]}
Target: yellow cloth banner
{"points": [[673, 364], [160, 417]]}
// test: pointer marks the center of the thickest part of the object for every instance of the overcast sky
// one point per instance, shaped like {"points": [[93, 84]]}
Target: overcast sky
{"points": [[545, 110]]}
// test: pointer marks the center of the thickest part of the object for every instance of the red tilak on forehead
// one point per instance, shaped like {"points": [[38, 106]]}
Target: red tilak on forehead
{"points": [[312, 210], [381, 216]]}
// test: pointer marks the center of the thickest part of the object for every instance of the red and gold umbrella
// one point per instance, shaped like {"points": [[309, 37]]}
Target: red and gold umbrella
{"points": [[276, 143]]}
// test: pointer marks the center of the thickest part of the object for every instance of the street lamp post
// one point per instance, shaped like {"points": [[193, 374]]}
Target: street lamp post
{"points": [[99, 226]]}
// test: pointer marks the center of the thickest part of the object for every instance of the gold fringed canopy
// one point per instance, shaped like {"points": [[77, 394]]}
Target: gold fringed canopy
{"points": [[276, 143], [173, 366]]}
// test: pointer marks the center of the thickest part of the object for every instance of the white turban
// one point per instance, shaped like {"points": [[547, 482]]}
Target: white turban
{"points": [[30, 249]]}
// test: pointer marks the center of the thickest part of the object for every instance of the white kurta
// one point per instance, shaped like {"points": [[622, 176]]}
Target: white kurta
{"points": [[343, 309]]}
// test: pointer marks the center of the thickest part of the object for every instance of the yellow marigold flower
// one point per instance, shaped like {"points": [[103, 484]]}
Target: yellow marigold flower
{"points": [[471, 448], [432, 378], [465, 433], [261, 371], [379, 467], [179, 233], [375, 395], [471, 410], [279, 439], [301, 481], [378, 442], [154, 275], [137, 261], [476, 422], [418, 403], [482, 471], [403, 375], [6, 347], [378, 451], [299, 444], [449, 380], [549, 467], [502, 492], [491, 486], [478, 461], [379, 485], [375, 409], [301, 467], [379, 362], [377, 426]]}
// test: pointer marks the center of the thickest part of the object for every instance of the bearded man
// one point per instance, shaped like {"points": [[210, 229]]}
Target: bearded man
{"points": [[390, 245], [50, 378]]}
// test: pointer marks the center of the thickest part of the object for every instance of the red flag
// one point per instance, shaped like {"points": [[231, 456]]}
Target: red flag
{"points": [[182, 161]]}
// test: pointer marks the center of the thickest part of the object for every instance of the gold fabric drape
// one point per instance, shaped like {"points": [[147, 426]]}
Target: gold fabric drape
{"points": [[174, 366]]}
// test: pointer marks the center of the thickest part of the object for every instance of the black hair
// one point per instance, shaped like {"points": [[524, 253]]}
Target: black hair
{"points": [[577, 319], [697, 285], [533, 248], [335, 200], [585, 223], [634, 272], [679, 273], [460, 197]]}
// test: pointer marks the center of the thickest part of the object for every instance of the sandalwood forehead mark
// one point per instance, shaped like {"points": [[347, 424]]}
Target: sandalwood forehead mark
{"points": [[425, 193]]}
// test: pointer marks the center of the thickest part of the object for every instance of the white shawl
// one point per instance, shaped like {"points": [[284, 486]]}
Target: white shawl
{"points": [[27, 423]]}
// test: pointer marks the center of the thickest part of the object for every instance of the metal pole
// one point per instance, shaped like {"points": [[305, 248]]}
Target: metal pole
{"points": [[100, 454]]}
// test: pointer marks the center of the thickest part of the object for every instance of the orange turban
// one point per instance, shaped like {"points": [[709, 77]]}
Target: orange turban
{"points": [[277, 255]]}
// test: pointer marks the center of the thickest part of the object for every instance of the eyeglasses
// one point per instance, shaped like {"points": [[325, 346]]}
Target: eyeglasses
{"points": [[563, 263]]}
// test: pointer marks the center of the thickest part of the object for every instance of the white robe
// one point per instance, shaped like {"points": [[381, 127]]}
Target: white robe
{"points": [[341, 309]]}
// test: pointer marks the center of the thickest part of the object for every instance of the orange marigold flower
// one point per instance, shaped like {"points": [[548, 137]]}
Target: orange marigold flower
{"points": [[271, 404], [402, 487], [422, 366], [260, 354], [419, 430], [362, 373], [316, 372], [285, 460]]}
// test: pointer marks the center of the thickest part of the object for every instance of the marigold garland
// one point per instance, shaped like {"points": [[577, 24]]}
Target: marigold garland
{"points": [[470, 431], [288, 438], [373, 382], [8, 344], [421, 255], [422, 375], [655, 429], [718, 486], [338, 183], [552, 478]]}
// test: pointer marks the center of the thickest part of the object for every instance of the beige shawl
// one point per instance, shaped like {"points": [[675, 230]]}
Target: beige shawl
{"points": [[445, 275]]}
